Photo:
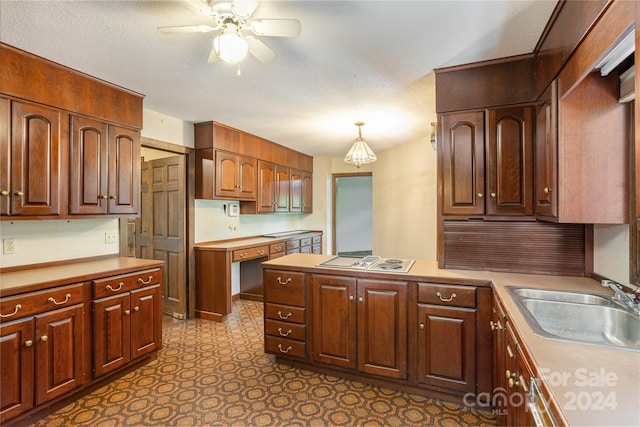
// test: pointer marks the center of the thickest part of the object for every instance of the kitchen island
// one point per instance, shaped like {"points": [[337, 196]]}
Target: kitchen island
{"points": [[408, 331]]}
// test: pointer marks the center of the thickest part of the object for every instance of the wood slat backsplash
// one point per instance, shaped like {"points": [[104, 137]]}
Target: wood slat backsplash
{"points": [[524, 247]]}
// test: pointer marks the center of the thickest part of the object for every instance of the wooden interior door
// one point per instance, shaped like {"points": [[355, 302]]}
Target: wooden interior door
{"points": [[162, 227]]}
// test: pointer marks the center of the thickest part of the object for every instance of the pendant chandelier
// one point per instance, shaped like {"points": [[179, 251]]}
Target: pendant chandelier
{"points": [[360, 153]]}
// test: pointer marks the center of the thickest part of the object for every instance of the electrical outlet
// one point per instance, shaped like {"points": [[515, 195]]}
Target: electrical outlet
{"points": [[111, 237], [9, 246]]}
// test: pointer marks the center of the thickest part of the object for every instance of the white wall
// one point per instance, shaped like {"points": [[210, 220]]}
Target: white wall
{"points": [[354, 214], [611, 252]]}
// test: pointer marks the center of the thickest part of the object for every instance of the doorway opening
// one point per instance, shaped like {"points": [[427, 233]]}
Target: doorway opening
{"points": [[352, 214]]}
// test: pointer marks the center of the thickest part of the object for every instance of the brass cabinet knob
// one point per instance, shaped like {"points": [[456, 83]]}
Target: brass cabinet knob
{"points": [[4, 193], [127, 312], [480, 195], [28, 343], [546, 190], [508, 374], [136, 308], [103, 196], [350, 297], [493, 325], [113, 197], [19, 193], [493, 195], [360, 299], [44, 338], [513, 383], [422, 326]]}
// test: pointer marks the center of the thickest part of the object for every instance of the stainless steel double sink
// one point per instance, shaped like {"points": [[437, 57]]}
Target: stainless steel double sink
{"points": [[590, 318]]}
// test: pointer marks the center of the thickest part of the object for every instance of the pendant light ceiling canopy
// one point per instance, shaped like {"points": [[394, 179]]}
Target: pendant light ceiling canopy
{"points": [[360, 153]]}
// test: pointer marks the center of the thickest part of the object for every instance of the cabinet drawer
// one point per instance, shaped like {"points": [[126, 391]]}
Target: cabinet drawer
{"points": [[125, 282], [317, 249], [293, 244], [244, 254], [276, 248], [306, 241], [287, 330], [454, 295], [284, 287], [317, 240], [32, 303], [285, 347], [284, 312]]}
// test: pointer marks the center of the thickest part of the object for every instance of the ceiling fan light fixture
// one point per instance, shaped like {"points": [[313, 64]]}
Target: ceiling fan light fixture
{"points": [[230, 46], [360, 153]]}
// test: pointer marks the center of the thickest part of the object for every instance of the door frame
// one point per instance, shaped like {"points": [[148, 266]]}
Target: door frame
{"points": [[334, 186], [189, 217]]}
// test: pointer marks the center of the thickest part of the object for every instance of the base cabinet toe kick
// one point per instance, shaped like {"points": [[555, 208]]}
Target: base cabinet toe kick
{"points": [[424, 338]]}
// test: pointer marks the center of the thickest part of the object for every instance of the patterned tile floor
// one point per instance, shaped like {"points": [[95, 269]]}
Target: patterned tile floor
{"points": [[218, 374]]}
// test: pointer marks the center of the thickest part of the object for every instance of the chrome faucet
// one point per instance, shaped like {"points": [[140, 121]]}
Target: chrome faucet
{"points": [[622, 298]]}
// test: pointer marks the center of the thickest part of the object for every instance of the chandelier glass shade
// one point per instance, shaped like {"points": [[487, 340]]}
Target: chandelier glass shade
{"points": [[360, 153], [230, 46]]}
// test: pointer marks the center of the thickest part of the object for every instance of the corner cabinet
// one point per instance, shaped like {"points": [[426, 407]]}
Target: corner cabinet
{"points": [[487, 171], [105, 166]]}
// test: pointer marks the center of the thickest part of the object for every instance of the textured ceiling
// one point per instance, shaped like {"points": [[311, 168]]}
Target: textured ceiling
{"points": [[368, 61]]}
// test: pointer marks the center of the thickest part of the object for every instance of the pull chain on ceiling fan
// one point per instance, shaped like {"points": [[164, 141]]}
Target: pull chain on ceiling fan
{"points": [[238, 32]]}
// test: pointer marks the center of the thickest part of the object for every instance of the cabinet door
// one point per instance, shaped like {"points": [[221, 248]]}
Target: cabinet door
{"points": [[89, 151], [5, 156], [146, 322], [382, 328], [510, 373], [124, 170], [17, 356], [307, 192], [35, 160], [334, 320], [447, 347], [266, 187], [499, 363], [111, 333], [295, 191], [59, 350], [546, 173], [282, 188], [247, 178], [226, 174], [462, 163], [509, 162]]}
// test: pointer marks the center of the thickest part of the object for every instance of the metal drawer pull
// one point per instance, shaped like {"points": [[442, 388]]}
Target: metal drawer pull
{"points": [[284, 317], [53, 300], [285, 282], [143, 282], [284, 351], [261, 252], [120, 285], [284, 335], [15, 311], [439, 295]]}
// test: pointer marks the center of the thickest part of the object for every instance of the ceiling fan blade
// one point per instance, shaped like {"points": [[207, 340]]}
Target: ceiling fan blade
{"points": [[243, 8], [213, 56], [276, 27], [259, 50], [179, 29]]}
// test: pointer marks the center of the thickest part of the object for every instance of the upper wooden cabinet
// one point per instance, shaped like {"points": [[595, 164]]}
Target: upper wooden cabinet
{"points": [[34, 157], [265, 177], [546, 146], [105, 166], [487, 171], [69, 148]]}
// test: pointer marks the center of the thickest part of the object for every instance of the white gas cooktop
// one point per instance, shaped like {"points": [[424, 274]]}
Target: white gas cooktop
{"points": [[370, 263]]}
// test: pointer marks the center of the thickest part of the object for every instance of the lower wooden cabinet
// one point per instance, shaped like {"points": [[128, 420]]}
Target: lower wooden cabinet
{"points": [[42, 350], [49, 337], [128, 324]]}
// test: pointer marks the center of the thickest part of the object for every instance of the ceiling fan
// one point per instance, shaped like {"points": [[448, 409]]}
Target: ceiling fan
{"points": [[237, 31]]}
